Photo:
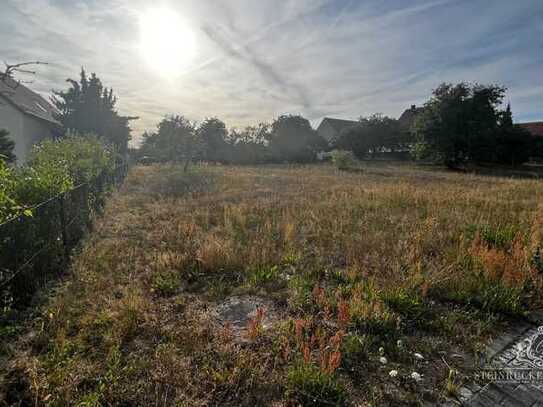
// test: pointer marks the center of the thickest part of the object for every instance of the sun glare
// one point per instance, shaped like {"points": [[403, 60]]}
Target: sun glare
{"points": [[167, 42]]}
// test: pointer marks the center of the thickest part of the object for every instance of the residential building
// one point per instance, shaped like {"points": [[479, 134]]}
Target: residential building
{"points": [[27, 116]]}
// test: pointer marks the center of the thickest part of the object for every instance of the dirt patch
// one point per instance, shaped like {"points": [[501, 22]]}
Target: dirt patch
{"points": [[237, 312]]}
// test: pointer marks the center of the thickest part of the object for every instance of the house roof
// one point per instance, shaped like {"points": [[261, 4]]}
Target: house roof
{"points": [[535, 128], [408, 116], [339, 124], [27, 101]]}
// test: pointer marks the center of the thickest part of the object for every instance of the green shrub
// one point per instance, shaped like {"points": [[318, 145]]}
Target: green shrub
{"points": [[8, 204], [36, 184], [343, 159], [83, 157], [6, 147], [166, 283], [312, 387], [54, 166]]}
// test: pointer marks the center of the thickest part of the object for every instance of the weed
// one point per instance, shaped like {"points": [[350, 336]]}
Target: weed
{"points": [[254, 326], [166, 283], [356, 350], [499, 237], [263, 275], [310, 386], [453, 384], [415, 313]]}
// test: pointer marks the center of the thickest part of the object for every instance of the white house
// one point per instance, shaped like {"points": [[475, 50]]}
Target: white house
{"points": [[27, 116]]}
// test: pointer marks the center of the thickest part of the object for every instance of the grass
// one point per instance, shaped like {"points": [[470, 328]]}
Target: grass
{"points": [[385, 262]]}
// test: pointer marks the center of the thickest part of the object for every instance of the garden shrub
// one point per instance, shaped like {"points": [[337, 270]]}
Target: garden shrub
{"points": [[83, 157], [54, 166], [343, 159], [8, 205]]}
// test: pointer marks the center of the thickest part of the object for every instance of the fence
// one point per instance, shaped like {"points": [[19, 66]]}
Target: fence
{"points": [[33, 249]]}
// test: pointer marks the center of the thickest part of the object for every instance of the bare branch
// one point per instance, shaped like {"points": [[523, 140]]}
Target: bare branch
{"points": [[12, 69]]}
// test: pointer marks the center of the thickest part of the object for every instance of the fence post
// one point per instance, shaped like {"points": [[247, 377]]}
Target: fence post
{"points": [[63, 227]]}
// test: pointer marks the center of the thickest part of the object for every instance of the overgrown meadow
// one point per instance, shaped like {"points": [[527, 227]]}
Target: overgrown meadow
{"points": [[379, 287]]}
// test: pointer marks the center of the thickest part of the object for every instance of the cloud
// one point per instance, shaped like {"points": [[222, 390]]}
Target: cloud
{"points": [[259, 59], [271, 74]]}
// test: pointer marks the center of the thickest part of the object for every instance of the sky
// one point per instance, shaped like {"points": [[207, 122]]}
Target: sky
{"points": [[248, 61]]}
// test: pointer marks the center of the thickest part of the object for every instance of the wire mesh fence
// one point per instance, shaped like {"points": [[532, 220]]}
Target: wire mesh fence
{"points": [[33, 249]]}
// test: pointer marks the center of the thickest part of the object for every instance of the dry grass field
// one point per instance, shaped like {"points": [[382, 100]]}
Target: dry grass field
{"points": [[373, 288]]}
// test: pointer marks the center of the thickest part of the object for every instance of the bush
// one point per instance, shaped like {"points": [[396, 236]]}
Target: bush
{"points": [[55, 166], [8, 205], [83, 157], [6, 147], [343, 159], [166, 283]]}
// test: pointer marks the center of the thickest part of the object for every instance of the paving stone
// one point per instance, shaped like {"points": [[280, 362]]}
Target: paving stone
{"points": [[504, 352], [536, 317]]}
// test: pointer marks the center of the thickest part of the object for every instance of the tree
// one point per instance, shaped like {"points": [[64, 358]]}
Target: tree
{"points": [[464, 122], [88, 107], [293, 139], [514, 144], [8, 76], [175, 140], [213, 135], [459, 121], [250, 146], [6, 147], [373, 134]]}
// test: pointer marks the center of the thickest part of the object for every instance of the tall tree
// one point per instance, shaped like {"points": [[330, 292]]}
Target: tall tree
{"points": [[460, 123], [89, 107], [293, 139], [514, 145], [213, 135], [250, 146], [175, 140], [6, 147]]}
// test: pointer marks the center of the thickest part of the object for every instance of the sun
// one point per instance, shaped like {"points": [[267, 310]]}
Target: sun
{"points": [[167, 42]]}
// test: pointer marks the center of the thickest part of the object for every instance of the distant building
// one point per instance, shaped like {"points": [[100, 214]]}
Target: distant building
{"points": [[536, 128], [27, 116], [407, 118], [330, 129]]}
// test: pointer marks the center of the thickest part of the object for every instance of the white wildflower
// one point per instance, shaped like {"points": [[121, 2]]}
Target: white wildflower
{"points": [[381, 351], [418, 356], [399, 343], [416, 376], [393, 373], [383, 360]]}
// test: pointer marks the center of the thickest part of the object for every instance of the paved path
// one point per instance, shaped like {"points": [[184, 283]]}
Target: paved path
{"points": [[519, 348]]}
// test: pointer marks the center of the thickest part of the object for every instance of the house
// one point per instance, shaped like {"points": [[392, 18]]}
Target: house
{"points": [[330, 129], [536, 128], [407, 118], [27, 116]]}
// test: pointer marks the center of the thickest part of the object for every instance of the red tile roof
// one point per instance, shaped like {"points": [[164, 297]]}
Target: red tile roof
{"points": [[535, 128]]}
